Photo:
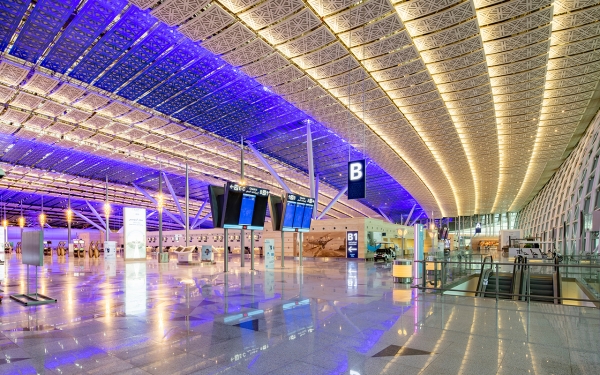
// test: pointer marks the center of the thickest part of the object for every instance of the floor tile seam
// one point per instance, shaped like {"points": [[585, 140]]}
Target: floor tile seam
{"points": [[297, 360]]}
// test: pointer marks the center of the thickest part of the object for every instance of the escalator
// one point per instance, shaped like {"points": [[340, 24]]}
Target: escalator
{"points": [[521, 283], [543, 287], [507, 282]]}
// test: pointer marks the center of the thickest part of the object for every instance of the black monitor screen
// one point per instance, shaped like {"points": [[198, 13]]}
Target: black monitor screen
{"points": [[307, 216], [290, 208], [247, 209], [298, 215]]}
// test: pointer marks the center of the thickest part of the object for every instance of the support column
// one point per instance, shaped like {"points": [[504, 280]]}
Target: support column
{"points": [[225, 250], [186, 219], [315, 210], [70, 218], [252, 250], [300, 235], [242, 248], [311, 165], [107, 211], [160, 219], [282, 248]]}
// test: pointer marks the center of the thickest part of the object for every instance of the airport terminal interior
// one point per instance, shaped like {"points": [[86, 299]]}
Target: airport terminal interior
{"points": [[299, 187]]}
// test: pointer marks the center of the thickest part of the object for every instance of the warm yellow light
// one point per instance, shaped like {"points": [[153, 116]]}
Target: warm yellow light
{"points": [[107, 208], [159, 201], [69, 215], [5, 223], [22, 222], [42, 219]]}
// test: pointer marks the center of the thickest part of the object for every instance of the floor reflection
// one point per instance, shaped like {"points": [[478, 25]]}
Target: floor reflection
{"points": [[337, 317]]}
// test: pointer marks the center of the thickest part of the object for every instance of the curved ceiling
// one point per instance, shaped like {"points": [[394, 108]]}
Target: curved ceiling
{"points": [[469, 105]]}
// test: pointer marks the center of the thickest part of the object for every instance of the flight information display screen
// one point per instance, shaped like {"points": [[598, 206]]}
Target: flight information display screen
{"points": [[308, 210], [299, 215], [288, 219], [247, 209]]}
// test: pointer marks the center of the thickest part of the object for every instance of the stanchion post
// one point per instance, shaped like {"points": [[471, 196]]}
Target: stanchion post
{"points": [[242, 248], [300, 250], [225, 251], [282, 248], [252, 249]]}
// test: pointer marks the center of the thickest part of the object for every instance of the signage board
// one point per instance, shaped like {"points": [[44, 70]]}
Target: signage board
{"points": [[352, 244], [110, 250], [207, 253], [134, 233], [110, 266], [32, 247], [269, 245], [297, 213], [244, 206], [357, 181]]}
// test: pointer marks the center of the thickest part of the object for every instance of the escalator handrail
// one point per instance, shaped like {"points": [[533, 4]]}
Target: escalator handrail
{"points": [[519, 259], [558, 281], [479, 283]]}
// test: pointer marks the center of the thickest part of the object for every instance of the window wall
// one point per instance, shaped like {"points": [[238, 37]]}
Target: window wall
{"points": [[562, 209]]}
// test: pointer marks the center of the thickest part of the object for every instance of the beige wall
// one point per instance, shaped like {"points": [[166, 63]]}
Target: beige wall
{"points": [[362, 225]]}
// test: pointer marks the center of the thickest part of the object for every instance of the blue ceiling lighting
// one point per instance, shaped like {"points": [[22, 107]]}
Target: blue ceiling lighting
{"points": [[113, 44], [91, 20], [11, 12], [171, 63], [45, 21], [149, 63], [55, 208], [61, 160], [139, 57]]}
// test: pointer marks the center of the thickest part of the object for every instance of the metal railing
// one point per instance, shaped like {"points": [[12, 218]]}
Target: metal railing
{"points": [[440, 276]]}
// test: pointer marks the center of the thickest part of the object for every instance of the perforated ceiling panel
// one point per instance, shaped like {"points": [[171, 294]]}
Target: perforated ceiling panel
{"points": [[469, 105]]}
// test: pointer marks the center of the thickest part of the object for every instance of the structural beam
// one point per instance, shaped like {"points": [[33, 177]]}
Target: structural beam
{"points": [[311, 164], [151, 199], [417, 218], [198, 214], [333, 201], [266, 164], [174, 197], [202, 220], [410, 214], [385, 216], [315, 212], [88, 220], [97, 214]]}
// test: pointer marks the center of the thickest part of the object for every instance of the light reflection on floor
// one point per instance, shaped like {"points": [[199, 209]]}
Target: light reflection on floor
{"points": [[338, 317]]}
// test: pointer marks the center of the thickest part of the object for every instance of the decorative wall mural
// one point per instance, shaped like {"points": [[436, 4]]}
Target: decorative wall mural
{"points": [[324, 244]]}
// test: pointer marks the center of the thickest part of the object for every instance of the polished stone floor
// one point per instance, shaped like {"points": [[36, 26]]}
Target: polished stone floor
{"points": [[337, 317]]}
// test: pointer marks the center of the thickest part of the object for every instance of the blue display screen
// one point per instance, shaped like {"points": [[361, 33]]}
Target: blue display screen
{"points": [[290, 208], [307, 216], [298, 215], [247, 209]]}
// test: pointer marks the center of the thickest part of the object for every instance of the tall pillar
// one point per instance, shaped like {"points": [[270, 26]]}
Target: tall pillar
{"points": [[160, 217], [186, 220], [225, 250]]}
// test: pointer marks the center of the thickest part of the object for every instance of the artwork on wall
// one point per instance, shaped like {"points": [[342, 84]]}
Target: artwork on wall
{"points": [[324, 244]]}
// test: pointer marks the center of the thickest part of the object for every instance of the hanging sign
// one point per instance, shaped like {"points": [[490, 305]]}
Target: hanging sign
{"points": [[357, 186]]}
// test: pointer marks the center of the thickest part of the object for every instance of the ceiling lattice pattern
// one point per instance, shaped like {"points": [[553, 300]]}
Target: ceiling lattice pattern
{"points": [[470, 105]]}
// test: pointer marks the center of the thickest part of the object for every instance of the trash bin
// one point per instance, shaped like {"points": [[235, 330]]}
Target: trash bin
{"points": [[402, 271]]}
